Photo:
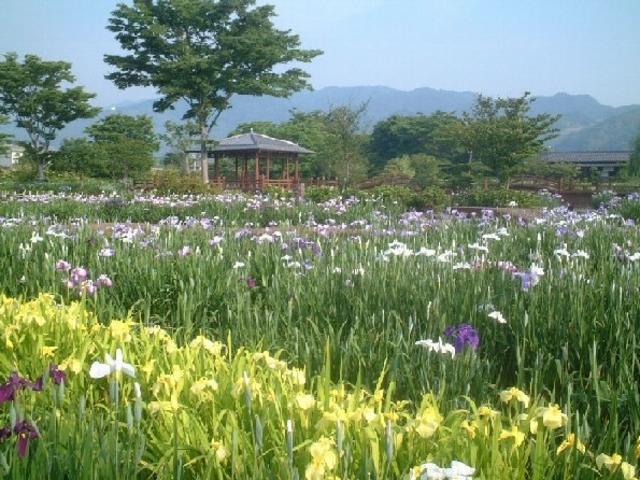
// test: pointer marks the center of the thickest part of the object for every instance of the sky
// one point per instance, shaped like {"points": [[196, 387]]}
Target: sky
{"points": [[494, 47]]}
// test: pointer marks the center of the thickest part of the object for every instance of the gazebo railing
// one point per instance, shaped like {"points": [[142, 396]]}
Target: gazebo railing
{"points": [[252, 185]]}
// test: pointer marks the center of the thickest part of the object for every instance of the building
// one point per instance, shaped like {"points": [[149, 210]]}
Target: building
{"points": [[11, 157], [606, 163]]}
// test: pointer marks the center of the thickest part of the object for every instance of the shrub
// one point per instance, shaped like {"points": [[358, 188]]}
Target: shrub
{"points": [[395, 194], [320, 194], [502, 197], [174, 181], [278, 192], [435, 197]]}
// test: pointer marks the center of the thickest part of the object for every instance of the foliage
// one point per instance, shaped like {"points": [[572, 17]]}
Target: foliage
{"points": [[434, 196], [125, 144], [360, 283], [539, 168], [266, 417], [335, 137], [204, 52], [179, 137], [422, 170], [627, 206], [31, 93], [319, 194], [503, 197], [4, 137], [82, 157], [168, 181], [500, 133], [634, 161], [350, 163], [395, 194], [398, 136]]}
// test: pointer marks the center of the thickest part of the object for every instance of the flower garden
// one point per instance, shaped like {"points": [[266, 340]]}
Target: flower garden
{"points": [[230, 336]]}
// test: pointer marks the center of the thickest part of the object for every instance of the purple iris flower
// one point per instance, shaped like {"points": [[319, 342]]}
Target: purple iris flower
{"points": [[5, 432], [14, 383], [25, 431], [78, 275], [251, 282], [56, 375], [463, 335]]}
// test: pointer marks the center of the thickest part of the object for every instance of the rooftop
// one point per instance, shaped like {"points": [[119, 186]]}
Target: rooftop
{"points": [[257, 142], [588, 157]]}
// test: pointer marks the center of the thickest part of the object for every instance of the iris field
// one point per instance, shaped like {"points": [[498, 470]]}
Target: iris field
{"points": [[232, 337]]}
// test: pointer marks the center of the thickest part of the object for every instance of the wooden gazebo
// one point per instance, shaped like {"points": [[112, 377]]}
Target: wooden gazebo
{"points": [[256, 158]]}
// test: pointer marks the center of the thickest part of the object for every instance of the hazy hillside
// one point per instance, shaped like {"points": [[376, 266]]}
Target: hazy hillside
{"points": [[617, 132], [585, 123]]}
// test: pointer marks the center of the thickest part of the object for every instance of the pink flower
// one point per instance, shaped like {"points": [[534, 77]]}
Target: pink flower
{"points": [[63, 266]]}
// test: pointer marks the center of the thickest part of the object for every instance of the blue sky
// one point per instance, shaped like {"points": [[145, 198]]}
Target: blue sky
{"points": [[497, 47]]}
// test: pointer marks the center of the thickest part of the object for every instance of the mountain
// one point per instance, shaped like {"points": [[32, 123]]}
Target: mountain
{"points": [[583, 119], [617, 132]]}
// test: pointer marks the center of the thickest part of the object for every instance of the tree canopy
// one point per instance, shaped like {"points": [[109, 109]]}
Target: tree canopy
{"points": [[127, 143], [32, 94], [401, 135], [203, 52], [179, 138], [501, 134]]}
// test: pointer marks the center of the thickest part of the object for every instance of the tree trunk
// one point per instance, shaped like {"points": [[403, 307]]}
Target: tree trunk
{"points": [[204, 159], [41, 165], [185, 163]]}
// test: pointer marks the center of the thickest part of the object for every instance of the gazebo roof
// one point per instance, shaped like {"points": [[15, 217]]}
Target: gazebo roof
{"points": [[251, 142]]}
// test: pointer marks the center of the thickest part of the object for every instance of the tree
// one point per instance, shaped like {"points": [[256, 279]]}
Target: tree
{"points": [[422, 170], [634, 161], [500, 133], [400, 135], [83, 157], [335, 137], [203, 52], [179, 137], [349, 160], [31, 93], [127, 142], [4, 137]]}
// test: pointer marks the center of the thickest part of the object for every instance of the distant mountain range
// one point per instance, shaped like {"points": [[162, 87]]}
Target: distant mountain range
{"points": [[585, 124]]}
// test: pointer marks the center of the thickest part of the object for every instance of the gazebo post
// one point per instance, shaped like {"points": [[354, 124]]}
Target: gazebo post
{"points": [[245, 171], [216, 167], [287, 168], [297, 168], [268, 166], [257, 172], [236, 162]]}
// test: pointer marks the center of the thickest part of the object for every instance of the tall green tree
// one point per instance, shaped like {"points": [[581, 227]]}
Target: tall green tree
{"points": [[350, 162], [32, 94], [401, 135], [634, 161], [203, 52], [82, 157], [179, 138], [501, 134], [127, 142]]}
